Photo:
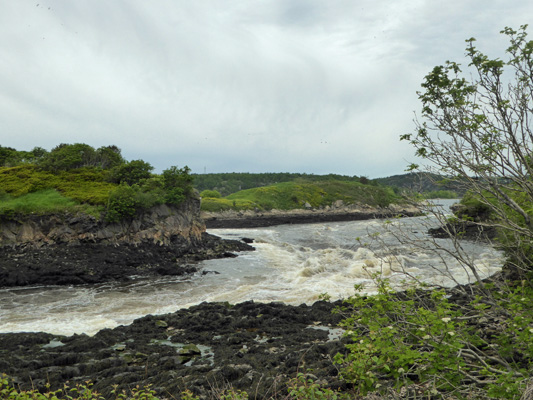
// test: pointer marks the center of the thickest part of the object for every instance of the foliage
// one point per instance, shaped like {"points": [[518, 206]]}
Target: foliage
{"points": [[10, 157], [131, 172], [74, 178], [177, 182], [422, 182], [295, 195], [420, 340], [43, 202], [303, 387], [476, 129], [85, 185], [213, 194], [78, 392], [126, 201], [66, 157], [228, 183]]}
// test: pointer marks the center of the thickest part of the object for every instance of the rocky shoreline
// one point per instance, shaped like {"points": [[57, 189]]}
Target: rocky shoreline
{"points": [[249, 346], [90, 263], [67, 249]]}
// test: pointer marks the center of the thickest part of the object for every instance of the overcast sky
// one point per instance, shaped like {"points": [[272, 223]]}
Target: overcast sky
{"points": [[315, 86]]}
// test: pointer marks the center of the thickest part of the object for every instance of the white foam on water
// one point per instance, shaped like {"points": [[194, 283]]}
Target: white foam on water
{"points": [[293, 263]]}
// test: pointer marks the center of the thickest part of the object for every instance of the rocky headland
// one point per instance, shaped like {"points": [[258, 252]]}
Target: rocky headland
{"points": [[79, 249]]}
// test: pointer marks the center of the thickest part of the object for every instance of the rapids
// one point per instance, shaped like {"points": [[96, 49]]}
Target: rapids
{"points": [[292, 263]]}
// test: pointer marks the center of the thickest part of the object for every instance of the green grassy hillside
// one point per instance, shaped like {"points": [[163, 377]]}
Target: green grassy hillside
{"points": [[294, 195], [232, 182]]}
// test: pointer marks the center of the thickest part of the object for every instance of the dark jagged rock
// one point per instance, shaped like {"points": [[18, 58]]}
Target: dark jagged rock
{"points": [[464, 230], [251, 346], [64, 264]]}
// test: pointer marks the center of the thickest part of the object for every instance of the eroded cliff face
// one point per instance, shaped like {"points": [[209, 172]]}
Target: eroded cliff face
{"points": [[159, 225]]}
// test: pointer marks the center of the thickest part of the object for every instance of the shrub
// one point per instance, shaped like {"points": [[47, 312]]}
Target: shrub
{"points": [[132, 172], [213, 194], [69, 156], [126, 201], [420, 338]]}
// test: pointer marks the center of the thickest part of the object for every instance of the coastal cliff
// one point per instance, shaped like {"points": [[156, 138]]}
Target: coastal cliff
{"points": [[77, 249]]}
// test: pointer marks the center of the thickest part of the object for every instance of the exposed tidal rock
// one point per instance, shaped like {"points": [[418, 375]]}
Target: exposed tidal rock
{"points": [[251, 346]]}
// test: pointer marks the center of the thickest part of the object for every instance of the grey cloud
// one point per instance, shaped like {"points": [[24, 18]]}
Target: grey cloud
{"points": [[280, 85]]}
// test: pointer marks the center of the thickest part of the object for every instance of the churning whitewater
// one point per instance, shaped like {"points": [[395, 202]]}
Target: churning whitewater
{"points": [[292, 263]]}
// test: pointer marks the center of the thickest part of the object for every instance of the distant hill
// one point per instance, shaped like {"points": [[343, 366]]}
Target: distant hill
{"points": [[232, 182], [420, 183]]}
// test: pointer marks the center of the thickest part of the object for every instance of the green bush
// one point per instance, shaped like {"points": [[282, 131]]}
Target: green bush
{"points": [[69, 156], [131, 173], [422, 339], [79, 155], [125, 202], [216, 205], [213, 194], [175, 177]]}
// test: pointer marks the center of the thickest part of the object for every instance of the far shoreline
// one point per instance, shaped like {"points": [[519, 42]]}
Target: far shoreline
{"points": [[232, 219]]}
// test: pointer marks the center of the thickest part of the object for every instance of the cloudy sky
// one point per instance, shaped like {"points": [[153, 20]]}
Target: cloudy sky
{"points": [[315, 86]]}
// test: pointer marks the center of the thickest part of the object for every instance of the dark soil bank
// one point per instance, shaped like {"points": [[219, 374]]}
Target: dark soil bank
{"points": [[251, 346], [67, 263]]}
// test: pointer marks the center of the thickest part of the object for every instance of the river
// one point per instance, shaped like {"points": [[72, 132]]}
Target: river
{"points": [[292, 263]]}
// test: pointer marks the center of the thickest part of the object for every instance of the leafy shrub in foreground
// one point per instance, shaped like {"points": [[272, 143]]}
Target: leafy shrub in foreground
{"points": [[422, 341], [78, 392]]}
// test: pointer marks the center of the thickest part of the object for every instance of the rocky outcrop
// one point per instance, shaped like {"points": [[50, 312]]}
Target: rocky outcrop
{"points": [[79, 249], [158, 225]]}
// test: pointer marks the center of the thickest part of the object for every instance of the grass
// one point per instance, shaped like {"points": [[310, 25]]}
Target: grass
{"points": [[43, 202], [26, 189], [86, 185]]}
